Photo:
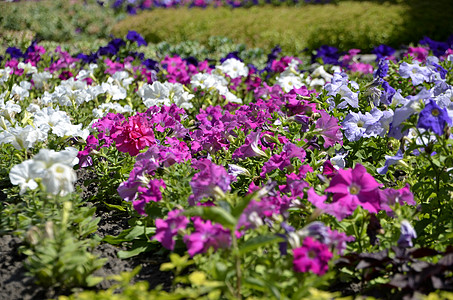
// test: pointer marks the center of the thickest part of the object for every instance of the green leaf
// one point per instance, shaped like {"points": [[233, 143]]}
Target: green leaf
{"points": [[213, 213], [137, 248], [237, 211], [128, 235], [117, 207], [93, 280], [259, 241]]}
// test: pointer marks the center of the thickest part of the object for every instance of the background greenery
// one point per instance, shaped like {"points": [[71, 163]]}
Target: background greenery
{"points": [[346, 25], [343, 24]]}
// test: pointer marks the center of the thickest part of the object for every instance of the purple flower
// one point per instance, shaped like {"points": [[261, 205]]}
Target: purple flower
{"points": [[390, 160], [210, 177], [407, 234], [134, 36], [382, 69], [312, 256], [14, 52], [149, 193], [167, 229], [434, 118], [250, 147], [329, 55], [383, 51], [392, 196], [205, 236]]}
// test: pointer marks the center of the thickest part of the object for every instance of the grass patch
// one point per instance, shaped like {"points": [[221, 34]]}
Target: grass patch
{"points": [[348, 24]]}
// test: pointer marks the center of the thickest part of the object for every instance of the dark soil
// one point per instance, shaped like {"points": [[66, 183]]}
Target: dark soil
{"points": [[15, 284]]}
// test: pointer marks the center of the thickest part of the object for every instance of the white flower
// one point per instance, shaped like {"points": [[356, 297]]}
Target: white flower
{"points": [[22, 138], [9, 109], [59, 179], [21, 91], [4, 74], [104, 108], [40, 78], [55, 170], [21, 175], [84, 74], [289, 82], [234, 68], [27, 67], [49, 118], [117, 92], [121, 78]]}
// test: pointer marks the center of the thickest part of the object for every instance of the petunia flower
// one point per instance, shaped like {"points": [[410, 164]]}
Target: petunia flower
{"points": [[167, 229], [312, 256], [434, 118], [205, 236], [407, 234], [350, 188]]}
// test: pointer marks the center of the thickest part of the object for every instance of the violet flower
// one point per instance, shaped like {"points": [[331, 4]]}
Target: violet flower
{"points": [[434, 118]]}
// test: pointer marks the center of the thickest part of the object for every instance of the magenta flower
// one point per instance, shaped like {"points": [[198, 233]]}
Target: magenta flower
{"points": [[205, 236], [210, 176], [350, 188], [327, 126], [251, 146], [148, 193], [167, 229], [133, 135], [312, 256], [283, 160]]}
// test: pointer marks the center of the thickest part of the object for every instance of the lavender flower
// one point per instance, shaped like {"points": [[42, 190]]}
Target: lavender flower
{"points": [[415, 72], [407, 234]]}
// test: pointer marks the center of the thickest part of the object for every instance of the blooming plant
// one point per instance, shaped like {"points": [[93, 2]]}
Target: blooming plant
{"points": [[270, 180]]}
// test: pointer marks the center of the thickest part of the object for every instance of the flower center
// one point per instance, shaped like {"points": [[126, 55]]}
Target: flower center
{"points": [[59, 169], [354, 189], [311, 254], [360, 123], [435, 112]]}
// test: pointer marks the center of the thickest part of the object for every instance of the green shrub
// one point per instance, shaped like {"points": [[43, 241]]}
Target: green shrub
{"points": [[348, 24], [58, 20]]}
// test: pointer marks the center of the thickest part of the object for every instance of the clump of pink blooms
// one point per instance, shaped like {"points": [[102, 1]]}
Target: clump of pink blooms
{"points": [[312, 256]]}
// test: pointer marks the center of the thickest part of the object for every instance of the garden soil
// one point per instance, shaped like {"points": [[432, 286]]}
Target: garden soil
{"points": [[16, 285]]}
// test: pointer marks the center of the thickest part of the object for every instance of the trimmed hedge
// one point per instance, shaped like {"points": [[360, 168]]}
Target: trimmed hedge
{"points": [[58, 20], [346, 25]]}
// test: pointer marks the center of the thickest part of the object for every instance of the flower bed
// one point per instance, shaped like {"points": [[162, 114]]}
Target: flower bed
{"points": [[288, 180]]}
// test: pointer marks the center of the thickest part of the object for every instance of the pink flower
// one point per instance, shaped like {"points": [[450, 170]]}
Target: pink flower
{"points": [[133, 135], [167, 229], [350, 188], [312, 256], [362, 68], [419, 53]]}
